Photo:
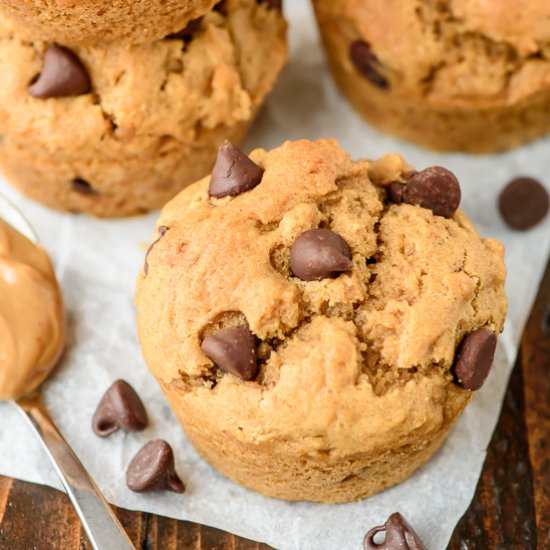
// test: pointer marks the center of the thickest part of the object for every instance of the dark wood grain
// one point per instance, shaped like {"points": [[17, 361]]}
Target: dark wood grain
{"points": [[510, 510]]}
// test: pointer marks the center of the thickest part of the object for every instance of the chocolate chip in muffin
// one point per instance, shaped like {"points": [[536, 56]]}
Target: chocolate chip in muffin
{"points": [[233, 350], [395, 192], [474, 359], [161, 231], [367, 64], [63, 75], [524, 203], [153, 469], [234, 173], [435, 188], [187, 32], [82, 186], [120, 407], [320, 254], [399, 535], [273, 4]]}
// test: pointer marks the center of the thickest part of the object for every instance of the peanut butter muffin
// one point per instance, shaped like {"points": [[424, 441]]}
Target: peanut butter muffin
{"points": [[90, 21], [319, 324], [451, 75], [114, 129]]}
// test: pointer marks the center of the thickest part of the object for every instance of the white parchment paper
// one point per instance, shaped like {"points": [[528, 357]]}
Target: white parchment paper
{"points": [[97, 262]]}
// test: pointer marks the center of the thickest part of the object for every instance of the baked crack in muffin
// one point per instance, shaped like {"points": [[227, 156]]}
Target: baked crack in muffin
{"points": [[448, 75], [114, 129], [319, 324]]}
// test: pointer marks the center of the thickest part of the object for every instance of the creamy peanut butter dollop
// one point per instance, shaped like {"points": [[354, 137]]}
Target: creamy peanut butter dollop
{"points": [[32, 324]]}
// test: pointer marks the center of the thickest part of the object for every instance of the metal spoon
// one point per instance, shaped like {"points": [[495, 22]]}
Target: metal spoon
{"points": [[100, 523]]}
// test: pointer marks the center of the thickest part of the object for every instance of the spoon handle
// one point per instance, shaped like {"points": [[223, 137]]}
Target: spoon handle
{"points": [[100, 523]]}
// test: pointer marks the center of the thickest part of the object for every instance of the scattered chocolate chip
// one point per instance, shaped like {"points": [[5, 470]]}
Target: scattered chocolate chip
{"points": [[120, 407], [395, 192], [367, 64], [273, 4], [435, 188], [524, 203], [82, 186], [320, 254], [399, 535], [63, 74], [187, 32], [233, 350], [234, 173], [153, 469], [474, 358], [161, 231]]}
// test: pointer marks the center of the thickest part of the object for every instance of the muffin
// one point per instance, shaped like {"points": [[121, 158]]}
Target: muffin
{"points": [[318, 324], [115, 129], [451, 76], [90, 21]]}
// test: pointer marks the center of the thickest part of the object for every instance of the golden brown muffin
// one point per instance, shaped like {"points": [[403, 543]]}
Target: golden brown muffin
{"points": [[453, 75], [319, 324], [90, 21], [115, 129]]}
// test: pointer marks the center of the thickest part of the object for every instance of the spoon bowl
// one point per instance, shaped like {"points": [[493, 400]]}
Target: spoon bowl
{"points": [[98, 520]]}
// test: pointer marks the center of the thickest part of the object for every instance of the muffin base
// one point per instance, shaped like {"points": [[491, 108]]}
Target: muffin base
{"points": [[91, 21], [476, 129], [120, 187], [277, 470]]}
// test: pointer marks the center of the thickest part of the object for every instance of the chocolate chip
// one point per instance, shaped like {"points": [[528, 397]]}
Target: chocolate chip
{"points": [[234, 173], [82, 186], [545, 325], [435, 188], [187, 32], [120, 407], [153, 469], [63, 74], [233, 350], [399, 536], [524, 203], [474, 358], [395, 192], [367, 64], [320, 254], [161, 231], [273, 4]]}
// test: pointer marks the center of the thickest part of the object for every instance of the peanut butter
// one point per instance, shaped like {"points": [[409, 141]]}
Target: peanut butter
{"points": [[32, 325]]}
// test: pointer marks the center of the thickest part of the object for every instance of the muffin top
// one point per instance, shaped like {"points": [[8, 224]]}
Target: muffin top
{"points": [[456, 51], [143, 99], [305, 298], [91, 21]]}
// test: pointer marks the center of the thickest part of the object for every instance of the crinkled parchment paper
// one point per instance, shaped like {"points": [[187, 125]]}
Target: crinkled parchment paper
{"points": [[97, 262]]}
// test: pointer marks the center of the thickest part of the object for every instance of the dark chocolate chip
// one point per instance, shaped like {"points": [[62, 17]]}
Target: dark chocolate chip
{"points": [[63, 74], [234, 173], [320, 254], [120, 407], [233, 350], [474, 358], [161, 231], [399, 535], [82, 186], [435, 188], [153, 469], [524, 203], [367, 64], [395, 192], [273, 4], [187, 32]]}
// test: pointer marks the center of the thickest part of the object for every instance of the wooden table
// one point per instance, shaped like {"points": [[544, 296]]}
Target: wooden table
{"points": [[510, 510]]}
